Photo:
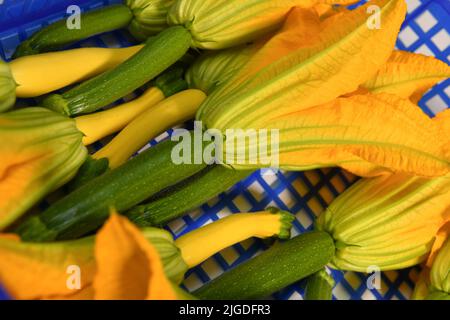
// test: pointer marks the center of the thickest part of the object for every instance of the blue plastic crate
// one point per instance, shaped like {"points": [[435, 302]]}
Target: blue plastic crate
{"points": [[305, 194]]}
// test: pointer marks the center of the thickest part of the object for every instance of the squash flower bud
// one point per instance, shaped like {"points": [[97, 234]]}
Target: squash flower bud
{"points": [[40, 151], [149, 17], [224, 24], [214, 68], [440, 274]]}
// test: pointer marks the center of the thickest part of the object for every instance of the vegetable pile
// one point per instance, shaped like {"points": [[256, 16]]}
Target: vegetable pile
{"points": [[334, 88]]}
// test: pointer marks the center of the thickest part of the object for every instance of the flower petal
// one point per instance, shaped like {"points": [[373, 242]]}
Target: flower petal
{"points": [[128, 266], [408, 75], [326, 10], [7, 87], [39, 271], [389, 221], [311, 70], [440, 271]]}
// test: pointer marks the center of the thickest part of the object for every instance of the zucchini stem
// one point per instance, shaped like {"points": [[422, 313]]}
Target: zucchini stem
{"points": [[166, 114], [200, 244], [60, 69], [58, 35], [158, 54], [101, 124], [319, 286]]}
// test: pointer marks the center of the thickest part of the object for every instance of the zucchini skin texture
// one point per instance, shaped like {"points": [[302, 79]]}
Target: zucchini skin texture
{"points": [[188, 194], [86, 209], [279, 266], [57, 35], [158, 54], [319, 286]]}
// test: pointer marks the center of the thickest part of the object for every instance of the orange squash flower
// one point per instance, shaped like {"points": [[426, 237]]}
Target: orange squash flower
{"points": [[40, 150], [7, 87]]}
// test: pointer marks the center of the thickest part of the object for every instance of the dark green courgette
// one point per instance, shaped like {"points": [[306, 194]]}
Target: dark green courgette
{"points": [[188, 194], [279, 266], [85, 209], [159, 53], [58, 35]]}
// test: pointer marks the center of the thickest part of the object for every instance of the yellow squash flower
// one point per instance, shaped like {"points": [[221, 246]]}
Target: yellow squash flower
{"points": [[434, 279], [128, 265], [123, 262], [298, 83], [219, 24], [123, 265], [390, 221], [149, 17], [408, 75], [310, 62], [440, 274], [213, 68], [368, 135], [40, 151]]}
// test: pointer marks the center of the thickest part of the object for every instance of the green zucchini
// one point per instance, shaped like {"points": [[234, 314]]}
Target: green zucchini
{"points": [[90, 169], [159, 53], [177, 200], [319, 286], [279, 266], [58, 35], [170, 82], [85, 209]]}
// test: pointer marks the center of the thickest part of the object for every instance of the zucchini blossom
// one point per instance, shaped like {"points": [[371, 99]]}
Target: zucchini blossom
{"points": [[40, 151], [305, 86], [214, 68], [440, 274], [124, 262]]}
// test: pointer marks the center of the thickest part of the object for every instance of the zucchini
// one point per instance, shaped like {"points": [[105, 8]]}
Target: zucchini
{"points": [[85, 209], [319, 286], [159, 53], [58, 35], [279, 266], [175, 201]]}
